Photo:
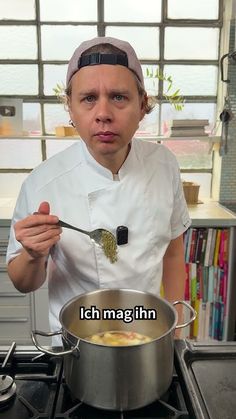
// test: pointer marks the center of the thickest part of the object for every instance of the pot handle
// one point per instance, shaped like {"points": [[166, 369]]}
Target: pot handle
{"points": [[74, 349], [194, 313]]}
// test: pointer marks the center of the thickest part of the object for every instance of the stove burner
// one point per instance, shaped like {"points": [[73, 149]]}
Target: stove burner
{"points": [[41, 392], [7, 389], [171, 405], [35, 379]]}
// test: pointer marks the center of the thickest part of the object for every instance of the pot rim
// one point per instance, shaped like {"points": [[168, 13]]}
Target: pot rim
{"points": [[105, 290]]}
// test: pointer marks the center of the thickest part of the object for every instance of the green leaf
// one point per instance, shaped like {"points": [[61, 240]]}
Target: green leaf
{"points": [[176, 93]]}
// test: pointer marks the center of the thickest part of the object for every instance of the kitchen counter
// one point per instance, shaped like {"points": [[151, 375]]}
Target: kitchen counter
{"points": [[211, 214], [207, 214]]}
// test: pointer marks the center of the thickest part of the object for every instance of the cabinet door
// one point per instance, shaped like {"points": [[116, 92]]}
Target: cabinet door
{"points": [[15, 307], [42, 313], [4, 233], [9, 294], [15, 312], [15, 325]]}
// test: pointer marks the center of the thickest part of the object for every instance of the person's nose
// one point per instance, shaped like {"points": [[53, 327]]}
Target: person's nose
{"points": [[103, 111]]}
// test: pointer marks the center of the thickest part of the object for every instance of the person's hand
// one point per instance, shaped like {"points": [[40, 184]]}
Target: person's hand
{"points": [[38, 232]]}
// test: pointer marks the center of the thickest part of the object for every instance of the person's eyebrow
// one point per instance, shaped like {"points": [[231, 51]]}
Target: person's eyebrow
{"points": [[87, 92], [117, 91], [121, 91]]}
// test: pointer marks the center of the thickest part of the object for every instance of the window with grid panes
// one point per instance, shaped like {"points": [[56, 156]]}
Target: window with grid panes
{"points": [[179, 38]]}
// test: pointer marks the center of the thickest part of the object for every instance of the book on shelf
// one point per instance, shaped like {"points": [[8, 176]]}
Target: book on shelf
{"points": [[217, 248], [188, 236], [201, 332], [187, 132], [200, 237], [188, 122], [207, 320], [203, 247], [193, 245], [193, 281], [208, 246], [212, 247], [187, 128], [205, 282]]}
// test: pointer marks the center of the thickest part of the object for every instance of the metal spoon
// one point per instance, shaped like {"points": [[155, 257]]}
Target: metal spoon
{"points": [[102, 237], [96, 235]]}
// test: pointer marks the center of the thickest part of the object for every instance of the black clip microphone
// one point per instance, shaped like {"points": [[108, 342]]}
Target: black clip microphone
{"points": [[121, 235]]}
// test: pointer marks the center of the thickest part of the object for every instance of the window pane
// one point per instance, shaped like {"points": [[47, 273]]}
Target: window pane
{"points": [[149, 125], [55, 115], [10, 184], [190, 111], [203, 179], [191, 43], [69, 10], [192, 154], [68, 37], [20, 154], [53, 74], [18, 42], [132, 11], [31, 119], [19, 79], [145, 41], [192, 9], [10, 9], [194, 80], [150, 81]]}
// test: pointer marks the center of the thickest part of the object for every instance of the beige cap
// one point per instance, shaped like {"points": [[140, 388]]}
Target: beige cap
{"points": [[131, 60]]}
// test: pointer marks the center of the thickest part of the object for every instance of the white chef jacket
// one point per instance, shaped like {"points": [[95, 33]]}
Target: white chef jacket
{"points": [[147, 198]]}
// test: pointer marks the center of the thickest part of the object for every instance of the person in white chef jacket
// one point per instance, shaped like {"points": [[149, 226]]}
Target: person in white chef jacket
{"points": [[107, 179]]}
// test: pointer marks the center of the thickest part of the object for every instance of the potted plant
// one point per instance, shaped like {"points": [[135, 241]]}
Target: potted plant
{"points": [[174, 98]]}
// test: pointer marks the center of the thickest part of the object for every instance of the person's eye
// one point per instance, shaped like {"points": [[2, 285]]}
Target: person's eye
{"points": [[119, 98], [89, 98]]}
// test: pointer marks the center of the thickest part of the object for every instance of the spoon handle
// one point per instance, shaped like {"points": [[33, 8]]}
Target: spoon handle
{"points": [[66, 225]]}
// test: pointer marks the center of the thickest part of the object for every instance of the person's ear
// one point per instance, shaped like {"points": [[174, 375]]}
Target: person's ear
{"points": [[69, 108], [68, 103], [144, 103]]}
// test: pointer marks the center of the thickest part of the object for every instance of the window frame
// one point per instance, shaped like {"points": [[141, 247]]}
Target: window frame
{"points": [[101, 25]]}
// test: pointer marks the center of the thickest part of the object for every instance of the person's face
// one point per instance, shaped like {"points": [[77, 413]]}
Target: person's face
{"points": [[106, 108]]}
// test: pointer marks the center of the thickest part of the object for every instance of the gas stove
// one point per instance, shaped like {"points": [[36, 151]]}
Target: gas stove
{"points": [[207, 372], [32, 386]]}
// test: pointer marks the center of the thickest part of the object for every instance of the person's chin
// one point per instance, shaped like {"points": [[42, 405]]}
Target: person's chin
{"points": [[107, 145]]}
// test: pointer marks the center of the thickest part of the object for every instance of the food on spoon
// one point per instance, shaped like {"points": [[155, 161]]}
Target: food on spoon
{"points": [[109, 246], [118, 338]]}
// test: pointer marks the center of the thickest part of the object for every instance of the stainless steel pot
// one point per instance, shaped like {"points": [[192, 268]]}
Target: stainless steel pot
{"points": [[117, 377]]}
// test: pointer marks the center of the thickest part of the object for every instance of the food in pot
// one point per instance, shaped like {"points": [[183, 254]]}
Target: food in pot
{"points": [[118, 338]]}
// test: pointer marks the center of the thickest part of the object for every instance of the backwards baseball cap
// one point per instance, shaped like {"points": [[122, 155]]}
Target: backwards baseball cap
{"points": [[129, 60]]}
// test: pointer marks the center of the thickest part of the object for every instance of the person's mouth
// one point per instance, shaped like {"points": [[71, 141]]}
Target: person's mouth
{"points": [[105, 136]]}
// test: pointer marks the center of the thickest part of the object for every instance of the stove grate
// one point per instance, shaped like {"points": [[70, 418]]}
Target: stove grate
{"points": [[36, 384], [171, 405]]}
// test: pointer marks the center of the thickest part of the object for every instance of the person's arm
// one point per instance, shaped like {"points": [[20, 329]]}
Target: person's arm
{"points": [[37, 233], [27, 273], [174, 276], [174, 273]]}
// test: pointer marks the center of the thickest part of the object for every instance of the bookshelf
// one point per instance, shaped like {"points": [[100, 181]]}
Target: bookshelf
{"points": [[210, 281]]}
